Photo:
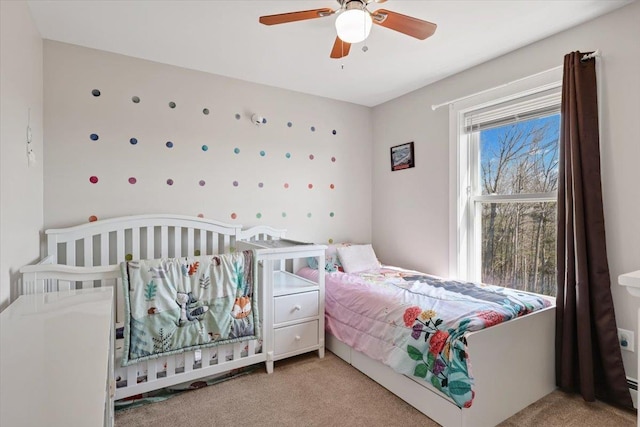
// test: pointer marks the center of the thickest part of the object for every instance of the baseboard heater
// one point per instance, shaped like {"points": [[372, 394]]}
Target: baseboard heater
{"points": [[633, 389]]}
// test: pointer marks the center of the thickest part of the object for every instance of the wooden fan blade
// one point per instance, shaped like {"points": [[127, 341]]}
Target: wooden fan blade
{"points": [[404, 24], [283, 18], [340, 49]]}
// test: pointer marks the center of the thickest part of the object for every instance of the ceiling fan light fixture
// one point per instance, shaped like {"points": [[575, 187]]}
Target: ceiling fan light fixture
{"points": [[353, 25]]}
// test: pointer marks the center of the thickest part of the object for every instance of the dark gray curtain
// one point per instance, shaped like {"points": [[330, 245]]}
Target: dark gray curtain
{"points": [[588, 359]]}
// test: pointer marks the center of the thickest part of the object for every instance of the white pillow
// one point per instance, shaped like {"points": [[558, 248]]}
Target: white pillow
{"points": [[356, 258]]}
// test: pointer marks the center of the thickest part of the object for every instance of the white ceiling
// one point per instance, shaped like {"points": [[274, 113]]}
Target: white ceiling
{"points": [[224, 37]]}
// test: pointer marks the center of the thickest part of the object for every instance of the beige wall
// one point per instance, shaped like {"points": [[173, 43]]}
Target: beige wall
{"points": [[416, 200], [72, 114], [20, 185]]}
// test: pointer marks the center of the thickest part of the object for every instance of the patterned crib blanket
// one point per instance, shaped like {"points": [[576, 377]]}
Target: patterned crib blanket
{"points": [[416, 323], [178, 304]]}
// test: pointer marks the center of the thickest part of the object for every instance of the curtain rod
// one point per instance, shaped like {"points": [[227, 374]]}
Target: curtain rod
{"points": [[594, 54]]}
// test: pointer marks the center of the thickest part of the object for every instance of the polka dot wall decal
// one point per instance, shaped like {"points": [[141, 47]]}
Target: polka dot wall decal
{"points": [[263, 153], [95, 92], [238, 116], [234, 215], [205, 111], [201, 183], [331, 214], [93, 179], [310, 186], [135, 99], [169, 144], [94, 136], [264, 121], [93, 218], [260, 185], [169, 181], [289, 124], [200, 215], [284, 214], [196, 252], [313, 128], [132, 180], [172, 104], [288, 155], [309, 215], [128, 257], [258, 215], [334, 132], [311, 157], [235, 183], [236, 150], [205, 148], [330, 241], [133, 141], [286, 185], [332, 186], [333, 159]]}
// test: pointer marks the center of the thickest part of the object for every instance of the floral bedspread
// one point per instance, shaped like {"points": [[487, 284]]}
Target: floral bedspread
{"points": [[178, 304], [416, 323]]}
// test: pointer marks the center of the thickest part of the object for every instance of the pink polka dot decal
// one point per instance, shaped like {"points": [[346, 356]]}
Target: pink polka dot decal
{"points": [[234, 215], [310, 186], [332, 186], [311, 157], [169, 181], [201, 183], [200, 215], [93, 179], [132, 180], [333, 159], [260, 184], [93, 218], [235, 183], [286, 185]]}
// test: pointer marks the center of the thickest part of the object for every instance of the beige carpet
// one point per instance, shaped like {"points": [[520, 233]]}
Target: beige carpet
{"points": [[308, 391]]}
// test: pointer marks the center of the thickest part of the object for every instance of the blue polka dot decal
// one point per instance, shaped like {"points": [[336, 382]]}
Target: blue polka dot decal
{"points": [[133, 141], [94, 136], [169, 144]]}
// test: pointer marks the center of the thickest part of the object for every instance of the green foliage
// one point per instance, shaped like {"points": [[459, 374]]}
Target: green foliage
{"points": [[421, 370], [414, 353], [150, 291]]}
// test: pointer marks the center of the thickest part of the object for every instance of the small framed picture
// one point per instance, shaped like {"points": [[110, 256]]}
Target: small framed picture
{"points": [[402, 157]]}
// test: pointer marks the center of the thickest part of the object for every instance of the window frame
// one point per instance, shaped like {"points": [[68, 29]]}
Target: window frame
{"points": [[465, 218]]}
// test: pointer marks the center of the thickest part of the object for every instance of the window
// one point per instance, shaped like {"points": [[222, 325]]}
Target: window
{"points": [[507, 153]]}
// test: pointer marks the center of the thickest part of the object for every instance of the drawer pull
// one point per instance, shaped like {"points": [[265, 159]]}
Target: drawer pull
{"points": [[297, 337], [297, 307]]}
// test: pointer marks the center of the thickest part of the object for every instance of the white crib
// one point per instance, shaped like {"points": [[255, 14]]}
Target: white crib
{"points": [[88, 255]]}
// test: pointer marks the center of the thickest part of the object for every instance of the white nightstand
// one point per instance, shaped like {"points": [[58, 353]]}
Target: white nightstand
{"points": [[294, 322]]}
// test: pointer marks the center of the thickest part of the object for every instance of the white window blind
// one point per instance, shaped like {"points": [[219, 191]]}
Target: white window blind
{"points": [[534, 106]]}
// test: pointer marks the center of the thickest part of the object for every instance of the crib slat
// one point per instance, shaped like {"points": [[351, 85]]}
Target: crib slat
{"points": [[171, 366], [88, 251], [152, 370], [104, 249], [64, 285], [237, 350], [177, 241], [203, 242], [86, 284], [71, 253], [135, 243], [164, 242], [205, 357], [119, 246], [132, 375], [252, 348], [189, 358], [190, 247], [150, 243]]}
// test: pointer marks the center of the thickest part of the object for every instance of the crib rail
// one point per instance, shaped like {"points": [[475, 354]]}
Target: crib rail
{"points": [[184, 367], [112, 241]]}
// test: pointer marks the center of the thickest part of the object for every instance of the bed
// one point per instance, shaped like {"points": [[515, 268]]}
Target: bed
{"points": [[512, 362], [94, 254]]}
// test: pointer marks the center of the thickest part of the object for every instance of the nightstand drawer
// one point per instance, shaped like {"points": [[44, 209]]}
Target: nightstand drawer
{"points": [[296, 306], [292, 338]]}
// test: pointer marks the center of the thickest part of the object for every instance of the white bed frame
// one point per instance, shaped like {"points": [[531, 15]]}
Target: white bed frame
{"points": [[88, 255], [512, 364]]}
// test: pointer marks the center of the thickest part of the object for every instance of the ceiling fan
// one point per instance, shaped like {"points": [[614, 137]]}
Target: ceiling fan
{"points": [[354, 22]]}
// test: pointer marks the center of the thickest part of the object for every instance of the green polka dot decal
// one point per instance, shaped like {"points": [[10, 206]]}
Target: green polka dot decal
{"points": [[128, 257], [332, 214], [309, 215], [196, 252], [284, 214], [258, 215], [236, 150], [330, 241]]}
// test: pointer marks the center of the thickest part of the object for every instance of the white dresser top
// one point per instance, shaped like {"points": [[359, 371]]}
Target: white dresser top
{"points": [[54, 355]]}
